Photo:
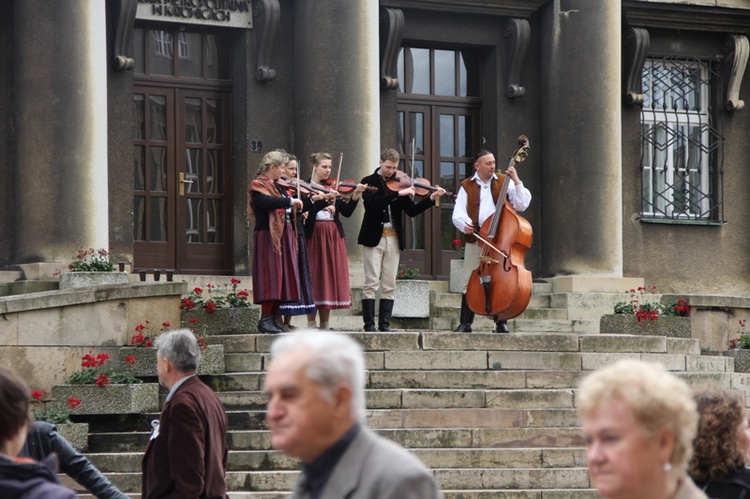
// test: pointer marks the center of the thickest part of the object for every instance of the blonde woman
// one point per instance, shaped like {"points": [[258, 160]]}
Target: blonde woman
{"points": [[275, 271], [639, 422], [329, 260]]}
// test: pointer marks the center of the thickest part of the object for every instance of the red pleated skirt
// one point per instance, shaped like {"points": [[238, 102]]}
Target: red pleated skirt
{"points": [[275, 276], [329, 266]]}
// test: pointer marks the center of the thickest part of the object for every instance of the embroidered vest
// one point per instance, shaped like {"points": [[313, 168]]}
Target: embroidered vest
{"points": [[472, 202]]}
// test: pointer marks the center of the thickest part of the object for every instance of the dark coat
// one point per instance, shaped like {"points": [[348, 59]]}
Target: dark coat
{"points": [[735, 486], [344, 208], [31, 480], [44, 440], [376, 211], [188, 456]]}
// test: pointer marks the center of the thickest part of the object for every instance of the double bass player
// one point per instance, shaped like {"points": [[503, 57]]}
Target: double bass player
{"points": [[475, 203]]}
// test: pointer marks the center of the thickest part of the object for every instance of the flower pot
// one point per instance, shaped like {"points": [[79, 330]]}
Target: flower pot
{"points": [[85, 279], [412, 298], [75, 433], [741, 359], [223, 320], [212, 361], [673, 327], [110, 399], [457, 276]]}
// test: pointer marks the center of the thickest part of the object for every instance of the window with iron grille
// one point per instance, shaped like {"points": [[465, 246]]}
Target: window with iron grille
{"points": [[681, 147]]}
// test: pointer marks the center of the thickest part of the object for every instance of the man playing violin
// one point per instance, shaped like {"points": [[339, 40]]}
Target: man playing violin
{"points": [[475, 203], [382, 236]]}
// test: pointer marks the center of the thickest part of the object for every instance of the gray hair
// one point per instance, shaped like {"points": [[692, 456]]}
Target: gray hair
{"points": [[659, 400], [273, 158], [335, 360], [181, 348]]}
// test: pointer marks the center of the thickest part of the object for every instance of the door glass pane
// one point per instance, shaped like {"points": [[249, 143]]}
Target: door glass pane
{"points": [[139, 54], [416, 131], [464, 137], [418, 168], [469, 73], [447, 142], [193, 170], [194, 223], [445, 72], [448, 231], [158, 168], [420, 71], [158, 214], [466, 170], [139, 168], [217, 57], [214, 221], [190, 54], [448, 176], [162, 53], [139, 218], [157, 117], [400, 70], [213, 172], [193, 120], [414, 234], [139, 120], [213, 121]]}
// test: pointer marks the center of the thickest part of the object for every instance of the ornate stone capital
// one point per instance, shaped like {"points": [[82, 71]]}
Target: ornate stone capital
{"points": [[123, 19], [391, 33], [268, 13], [737, 49], [636, 42], [518, 33]]}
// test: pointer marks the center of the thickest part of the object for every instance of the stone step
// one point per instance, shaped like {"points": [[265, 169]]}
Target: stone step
{"points": [[530, 313], [447, 494], [453, 300]]}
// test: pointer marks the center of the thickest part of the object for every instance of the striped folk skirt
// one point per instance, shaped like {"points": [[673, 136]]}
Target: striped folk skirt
{"points": [[275, 276], [329, 266], [305, 305]]}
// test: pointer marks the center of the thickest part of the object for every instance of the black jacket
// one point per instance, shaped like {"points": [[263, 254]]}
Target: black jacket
{"points": [[735, 486], [376, 211], [345, 208], [31, 480], [44, 440]]}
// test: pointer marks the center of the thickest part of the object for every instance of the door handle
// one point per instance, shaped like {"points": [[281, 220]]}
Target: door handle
{"points": [[183, 182]]}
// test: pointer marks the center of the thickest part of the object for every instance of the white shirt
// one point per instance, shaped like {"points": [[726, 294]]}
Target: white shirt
{"points": [[518, 196]]}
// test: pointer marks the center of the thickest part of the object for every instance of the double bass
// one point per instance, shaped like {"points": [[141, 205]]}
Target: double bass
{"points": [[500, 287]]}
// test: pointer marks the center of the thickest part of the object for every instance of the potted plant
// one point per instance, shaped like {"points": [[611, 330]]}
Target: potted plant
{"points": [[91, 267], [221, 310], [412, 296], [139, 357], [739, 348], [77, 434], [106, 391], [643, 316]]}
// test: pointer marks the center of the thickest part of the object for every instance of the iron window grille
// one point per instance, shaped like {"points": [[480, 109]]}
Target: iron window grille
{"points": [[681, 142]]}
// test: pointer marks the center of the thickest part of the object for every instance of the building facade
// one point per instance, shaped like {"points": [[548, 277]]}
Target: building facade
{"points": [[136, 125]]}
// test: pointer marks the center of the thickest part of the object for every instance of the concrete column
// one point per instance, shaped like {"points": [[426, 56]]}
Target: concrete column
{"points": [[581, 144], [60, 86], [336, 90]]}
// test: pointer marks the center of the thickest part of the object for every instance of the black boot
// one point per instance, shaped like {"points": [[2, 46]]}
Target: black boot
{"points": [[266, 325], [280, 324], [368, 314], [384, 315], [467, 317], [501, 327]]}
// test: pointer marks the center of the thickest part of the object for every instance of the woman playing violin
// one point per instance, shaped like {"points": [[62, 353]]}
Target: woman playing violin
{"points": [[306, 303], [275, 272], [383, 238], [329, 261], [475, 203]]}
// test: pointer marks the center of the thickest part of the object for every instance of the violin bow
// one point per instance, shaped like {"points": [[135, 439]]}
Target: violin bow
{"points": [[413, 149], [338, 175], [299, 186]]}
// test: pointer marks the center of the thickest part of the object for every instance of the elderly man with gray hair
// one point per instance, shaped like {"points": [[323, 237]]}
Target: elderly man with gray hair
{"points": [[187, 453], [316, 410]]}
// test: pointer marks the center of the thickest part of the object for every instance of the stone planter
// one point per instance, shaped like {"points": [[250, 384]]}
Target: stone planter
{"points": [[212, 361], [741, 359], [457, 276], [673, 327], [223, 320], [75, 433], [85, 279], [110, 399], [412, 298]]}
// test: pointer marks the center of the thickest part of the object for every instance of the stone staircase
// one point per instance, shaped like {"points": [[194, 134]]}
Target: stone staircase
{"points": [[492, 415]]}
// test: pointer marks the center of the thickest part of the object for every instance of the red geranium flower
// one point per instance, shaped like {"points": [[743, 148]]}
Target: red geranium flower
{"points": [[130, 359], [210, 307], [193, 320], [74, 402], [36, 395], [102, 380], [234, 280]]}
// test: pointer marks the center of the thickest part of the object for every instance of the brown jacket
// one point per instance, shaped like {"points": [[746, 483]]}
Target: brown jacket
{"points": [[188, 457], [472, 200]]}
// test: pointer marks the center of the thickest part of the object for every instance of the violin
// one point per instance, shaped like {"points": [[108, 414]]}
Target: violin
{"points": [[500, 287], [345, 186], [293, 184], [400, 180]]}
